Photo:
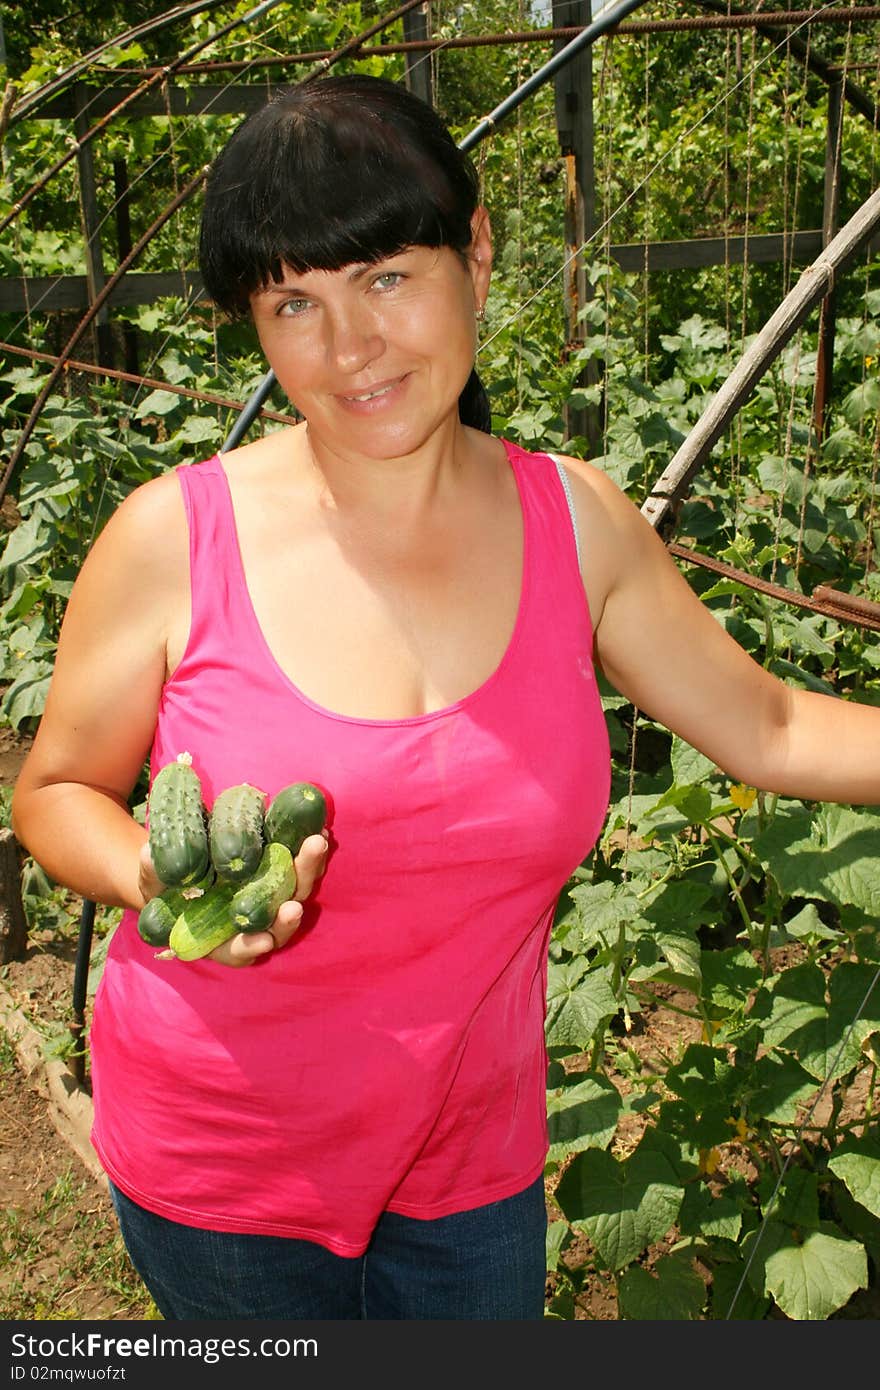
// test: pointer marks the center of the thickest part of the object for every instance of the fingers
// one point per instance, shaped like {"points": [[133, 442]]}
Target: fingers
{"points": [[149, 882], [247, 947], [310, 864]]}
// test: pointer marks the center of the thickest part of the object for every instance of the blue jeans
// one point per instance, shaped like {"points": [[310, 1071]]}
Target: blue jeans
{"points": [[488, 1263]]}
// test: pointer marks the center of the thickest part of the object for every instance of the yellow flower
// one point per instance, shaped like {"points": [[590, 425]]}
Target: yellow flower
{"points": [[870, 361], [742, 796], [709, 1161], [739, 1125]]}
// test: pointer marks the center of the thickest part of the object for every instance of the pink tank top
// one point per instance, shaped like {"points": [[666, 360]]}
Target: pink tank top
{"points": [[392, 1056]]}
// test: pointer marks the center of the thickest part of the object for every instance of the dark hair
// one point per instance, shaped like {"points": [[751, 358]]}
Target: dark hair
{"points": [[334, 171]]}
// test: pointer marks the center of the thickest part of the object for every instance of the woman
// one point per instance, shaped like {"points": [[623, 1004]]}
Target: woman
{"points": [[390, 602]]}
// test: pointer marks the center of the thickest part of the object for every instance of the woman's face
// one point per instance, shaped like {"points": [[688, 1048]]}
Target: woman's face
{"points": [[375, 356]]}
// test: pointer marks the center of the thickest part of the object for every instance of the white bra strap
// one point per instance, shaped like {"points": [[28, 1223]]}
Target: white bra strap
{"points": [[569, 497]]}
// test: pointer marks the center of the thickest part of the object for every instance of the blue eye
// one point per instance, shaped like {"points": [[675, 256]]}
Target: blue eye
{"points": [[388, 279], [293, 306]]}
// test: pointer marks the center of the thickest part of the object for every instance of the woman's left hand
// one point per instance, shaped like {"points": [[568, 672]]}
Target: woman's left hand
{"points": [[247, 947]]}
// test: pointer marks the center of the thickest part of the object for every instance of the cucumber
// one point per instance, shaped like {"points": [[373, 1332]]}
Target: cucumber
{"points": [[157, 917], [178, 833], [295, 813], [255, 903], [203, 924], [235, 832]]}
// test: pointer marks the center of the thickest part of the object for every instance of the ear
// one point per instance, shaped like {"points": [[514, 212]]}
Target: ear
{"points": [[480, 255]]}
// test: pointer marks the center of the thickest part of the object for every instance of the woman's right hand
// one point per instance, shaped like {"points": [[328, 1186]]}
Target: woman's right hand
{"points": [[149, 882], [248, 947], [245, 948]]}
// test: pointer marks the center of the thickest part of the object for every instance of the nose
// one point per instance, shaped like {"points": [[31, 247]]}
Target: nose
{"points": [[353, 339]]}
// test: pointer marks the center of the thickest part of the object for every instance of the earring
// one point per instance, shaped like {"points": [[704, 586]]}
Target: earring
{"points": [[481, 313]]}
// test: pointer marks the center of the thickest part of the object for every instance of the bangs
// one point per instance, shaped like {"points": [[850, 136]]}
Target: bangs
{"points": [[322, 178]]}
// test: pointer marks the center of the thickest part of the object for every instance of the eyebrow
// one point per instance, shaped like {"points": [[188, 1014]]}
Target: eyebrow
{"points": [[358, 271]]}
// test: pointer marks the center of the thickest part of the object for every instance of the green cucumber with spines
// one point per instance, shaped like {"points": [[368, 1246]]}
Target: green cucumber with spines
{"points": [[204, 923], [157, 917], [295, 813], [235, 832], [255, 904], [178, 831]]}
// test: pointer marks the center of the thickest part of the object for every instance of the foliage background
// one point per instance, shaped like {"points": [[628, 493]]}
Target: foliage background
{"points": [[753, 1153]]}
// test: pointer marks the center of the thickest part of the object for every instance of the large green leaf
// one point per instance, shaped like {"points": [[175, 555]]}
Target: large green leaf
{"points": [[810, 1275], [832, 856], [778, 1087], [557, 1234], [673, 1291], [807, 923], [683, 955], [681, 905], [703, 1214], [582, 1115], [622, 1206], [857, 1164], [578, 1001], [157, 403], [30, 543], [601, 909], [794, 1200], [854, 991], [26, 696], [802, 1022], [733, 1297], [688, 764], [703, 1077], [727, 977]]}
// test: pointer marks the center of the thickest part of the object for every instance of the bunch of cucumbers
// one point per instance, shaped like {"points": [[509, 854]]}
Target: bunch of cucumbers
{"points": [[225, 872]]}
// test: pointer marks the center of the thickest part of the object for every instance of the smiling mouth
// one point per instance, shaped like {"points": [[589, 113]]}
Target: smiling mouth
{"points": [[372, 395]]}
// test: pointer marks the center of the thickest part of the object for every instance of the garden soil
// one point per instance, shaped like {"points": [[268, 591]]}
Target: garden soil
{"points": [[41, 1256]]}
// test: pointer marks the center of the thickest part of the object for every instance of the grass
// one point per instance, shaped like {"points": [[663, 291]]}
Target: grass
{"points": [[61, 1255]]}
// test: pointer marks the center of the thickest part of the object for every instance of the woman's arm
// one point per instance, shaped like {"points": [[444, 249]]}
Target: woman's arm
{"points": [[125, 627], [662, 648], [130, 600]]}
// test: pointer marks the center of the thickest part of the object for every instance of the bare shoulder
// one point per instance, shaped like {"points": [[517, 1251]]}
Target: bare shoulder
{"points": [[147, 534], [259, 459], [153, 506], [598, 493], [614, 537], [134, 581]]}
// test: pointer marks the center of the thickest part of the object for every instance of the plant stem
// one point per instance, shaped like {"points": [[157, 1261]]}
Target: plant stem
{"points": [[734, 887]]}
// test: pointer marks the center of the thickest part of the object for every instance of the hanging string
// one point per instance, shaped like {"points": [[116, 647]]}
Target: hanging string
{"points": [[748, 198], [646, 224], [787, 214], [606, 88], [788, 263], [731, 41], [175, 179], [636, 189], [788, 269], [630, 792], [875, 450], [872, 499], [827, 307], [803, 105]]}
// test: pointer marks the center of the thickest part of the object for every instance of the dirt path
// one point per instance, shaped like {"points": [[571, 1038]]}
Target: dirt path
{"points": [[60, 1253]]}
